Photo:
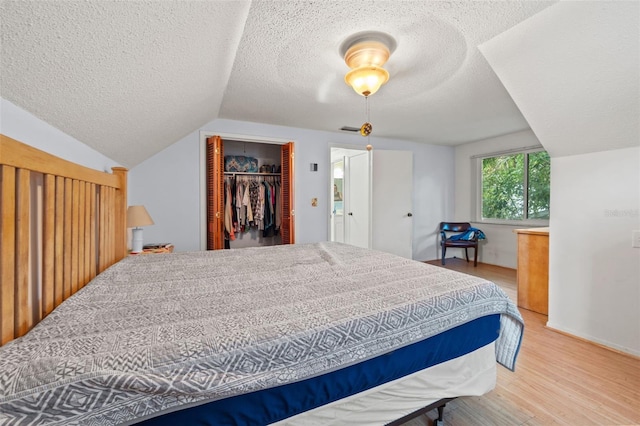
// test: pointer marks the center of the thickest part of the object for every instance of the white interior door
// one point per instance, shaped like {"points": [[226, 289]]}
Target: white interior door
{"points": [[392, 202], [357, 200]]}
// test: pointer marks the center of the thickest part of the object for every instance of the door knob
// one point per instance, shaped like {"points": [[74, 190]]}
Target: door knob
{"points": [[409, 214], [350, 214]]}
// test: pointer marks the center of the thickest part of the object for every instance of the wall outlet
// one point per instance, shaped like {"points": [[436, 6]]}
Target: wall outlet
{"points": [[314, 202], [635, 239]]}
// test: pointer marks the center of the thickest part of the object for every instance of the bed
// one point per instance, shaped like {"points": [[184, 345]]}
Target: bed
{"points": [[321, 333]]}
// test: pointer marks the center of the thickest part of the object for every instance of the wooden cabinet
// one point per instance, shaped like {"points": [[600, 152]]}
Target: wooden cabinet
{"points": [[533, 269]]}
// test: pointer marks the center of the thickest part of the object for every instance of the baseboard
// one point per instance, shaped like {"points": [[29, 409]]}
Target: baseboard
{"points": [[591, 342], [454, 258]]}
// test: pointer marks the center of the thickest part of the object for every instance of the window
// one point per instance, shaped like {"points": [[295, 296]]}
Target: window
{"points": [[515, 187]]}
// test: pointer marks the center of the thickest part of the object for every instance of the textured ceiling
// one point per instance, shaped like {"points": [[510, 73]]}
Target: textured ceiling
{"points": [[127, 78], [131, 78]]}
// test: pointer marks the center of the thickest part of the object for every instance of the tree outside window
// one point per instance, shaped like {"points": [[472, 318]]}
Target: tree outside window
{"points": [[515, 187]]}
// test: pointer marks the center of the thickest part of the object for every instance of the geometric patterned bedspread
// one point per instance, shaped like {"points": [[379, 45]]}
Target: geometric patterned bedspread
{"points": [[156, 333]]}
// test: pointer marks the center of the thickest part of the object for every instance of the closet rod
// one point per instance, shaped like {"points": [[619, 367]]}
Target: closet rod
{"points": [[251, 174]]}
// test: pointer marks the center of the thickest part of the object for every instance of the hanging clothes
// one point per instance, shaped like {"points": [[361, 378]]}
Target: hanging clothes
{"points": [[247, 204], [228, 213], [252, 202], [277, 206], [254, 199]]}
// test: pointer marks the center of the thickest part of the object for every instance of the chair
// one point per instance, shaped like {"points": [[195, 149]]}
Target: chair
{"points": [[458, 228]]}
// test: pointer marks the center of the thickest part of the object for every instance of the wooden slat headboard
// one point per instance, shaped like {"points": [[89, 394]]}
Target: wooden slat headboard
{"points": [[60, 225]]}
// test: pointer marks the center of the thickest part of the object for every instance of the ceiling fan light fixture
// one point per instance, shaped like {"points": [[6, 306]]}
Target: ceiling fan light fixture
{"points": [[366, 80], [365, 53]]}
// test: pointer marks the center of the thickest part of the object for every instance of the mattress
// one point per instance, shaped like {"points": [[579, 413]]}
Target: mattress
{"points": [[281, 402], [155, 334], [473, 374]]}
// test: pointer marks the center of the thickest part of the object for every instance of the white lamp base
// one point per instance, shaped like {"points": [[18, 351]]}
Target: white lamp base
{"points": [[136, 242]]}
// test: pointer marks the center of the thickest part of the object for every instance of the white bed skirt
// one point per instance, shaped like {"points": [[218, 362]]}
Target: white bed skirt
{"points": [[469, 375]]}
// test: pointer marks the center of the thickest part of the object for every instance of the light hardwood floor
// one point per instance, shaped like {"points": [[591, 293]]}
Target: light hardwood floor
{"points": [[558, 379]]}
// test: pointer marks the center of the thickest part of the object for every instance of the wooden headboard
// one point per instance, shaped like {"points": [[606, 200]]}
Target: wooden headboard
{"points": [[60, 225]]}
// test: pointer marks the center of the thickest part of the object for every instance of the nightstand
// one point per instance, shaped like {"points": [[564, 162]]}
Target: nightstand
{"points": [[158, 249]]}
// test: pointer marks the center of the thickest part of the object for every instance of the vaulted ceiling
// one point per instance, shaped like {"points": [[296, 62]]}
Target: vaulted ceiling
{"points": [[130, 78], [574, 72]]}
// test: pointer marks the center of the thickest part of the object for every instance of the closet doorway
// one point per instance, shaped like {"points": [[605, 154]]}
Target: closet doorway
{"points": [[225, 178]]}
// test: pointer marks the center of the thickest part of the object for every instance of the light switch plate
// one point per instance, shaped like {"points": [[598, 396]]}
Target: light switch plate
{"points": [[635, 241]]}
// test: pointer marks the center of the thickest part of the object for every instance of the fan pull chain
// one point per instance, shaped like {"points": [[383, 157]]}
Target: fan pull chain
{"points": [[367, 110], [366, 128]]}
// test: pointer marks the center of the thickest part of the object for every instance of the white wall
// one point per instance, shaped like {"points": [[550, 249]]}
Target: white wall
{"points": [[168, 184], [572, 70], [24, 127], [500, 247], [594, 273]]}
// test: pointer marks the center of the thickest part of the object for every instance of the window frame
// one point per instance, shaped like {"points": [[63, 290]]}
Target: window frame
{"points": [[479, 184]]}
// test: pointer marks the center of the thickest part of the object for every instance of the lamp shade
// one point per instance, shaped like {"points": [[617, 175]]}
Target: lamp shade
{"points": [[138, 216]]}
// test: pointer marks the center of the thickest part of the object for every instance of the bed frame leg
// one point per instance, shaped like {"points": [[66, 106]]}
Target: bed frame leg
{"points": [[440, 420]]}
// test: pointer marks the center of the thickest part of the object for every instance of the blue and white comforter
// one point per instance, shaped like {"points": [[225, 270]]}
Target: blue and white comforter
{"points": [[155, 333]]}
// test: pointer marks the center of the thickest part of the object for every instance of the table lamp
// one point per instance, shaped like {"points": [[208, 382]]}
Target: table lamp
{"points": [[137, 216]]}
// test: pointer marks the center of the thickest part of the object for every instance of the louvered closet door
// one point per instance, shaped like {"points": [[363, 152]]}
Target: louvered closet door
{"points": [[215, 193], [287, 229]]}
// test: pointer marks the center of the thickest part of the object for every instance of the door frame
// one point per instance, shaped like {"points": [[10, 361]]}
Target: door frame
{"points": [[330, 185], [332, 209], [204, 135]]}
